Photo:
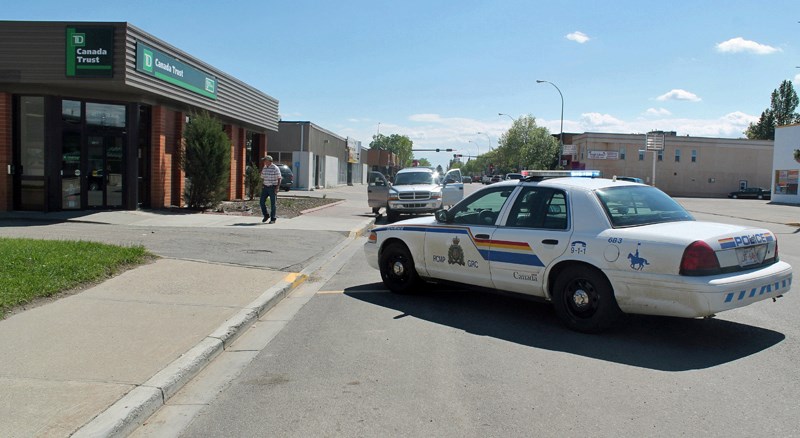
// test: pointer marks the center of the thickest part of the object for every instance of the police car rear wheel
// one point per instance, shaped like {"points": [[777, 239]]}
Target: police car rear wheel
{"points": [[397, 269], [584, 300]]}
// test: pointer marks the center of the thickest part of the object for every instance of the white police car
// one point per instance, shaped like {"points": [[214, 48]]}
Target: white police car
{"points": [[594, 247]]}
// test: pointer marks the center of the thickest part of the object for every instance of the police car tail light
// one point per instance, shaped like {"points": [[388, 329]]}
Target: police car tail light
{"points": [[373, 237], [699, 259]]}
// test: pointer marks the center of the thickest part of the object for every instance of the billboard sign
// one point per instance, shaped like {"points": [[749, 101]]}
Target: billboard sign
{"points": [[169, 69], [89, 52]]}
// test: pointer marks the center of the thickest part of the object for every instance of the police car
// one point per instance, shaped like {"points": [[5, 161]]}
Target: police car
{"points": [[594, 247]]}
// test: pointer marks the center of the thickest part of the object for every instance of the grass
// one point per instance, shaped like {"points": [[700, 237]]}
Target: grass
{"points": [[32, 269]]}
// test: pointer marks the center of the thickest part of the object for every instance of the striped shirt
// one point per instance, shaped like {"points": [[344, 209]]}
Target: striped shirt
{"points": [[271, 175]]}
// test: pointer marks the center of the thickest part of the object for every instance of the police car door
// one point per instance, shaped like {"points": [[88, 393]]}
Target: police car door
{"points": [[535, 232], [453, 190], [458, 250]]}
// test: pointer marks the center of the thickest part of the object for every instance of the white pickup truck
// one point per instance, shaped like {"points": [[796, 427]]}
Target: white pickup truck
{"points": [[416, 190]]}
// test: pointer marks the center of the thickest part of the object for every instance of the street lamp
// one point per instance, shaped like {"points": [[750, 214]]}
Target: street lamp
{"points": [[476, 146], [561, 134], [512, 119], [487, 136]]}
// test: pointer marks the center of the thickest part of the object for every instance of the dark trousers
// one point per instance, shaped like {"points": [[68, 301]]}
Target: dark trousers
{"points": [[268, 191]]}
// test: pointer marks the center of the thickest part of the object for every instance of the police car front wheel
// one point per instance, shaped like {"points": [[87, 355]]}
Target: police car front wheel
{"points": [[397, 269]]}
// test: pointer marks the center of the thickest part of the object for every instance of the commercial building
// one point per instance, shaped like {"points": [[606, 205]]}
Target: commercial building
{"points": [[786, 164], [318, 157], [686, 166], [92, 116]]}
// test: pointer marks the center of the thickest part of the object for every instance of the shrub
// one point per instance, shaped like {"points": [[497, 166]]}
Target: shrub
{"points": [[206, 161], [252, 180]]}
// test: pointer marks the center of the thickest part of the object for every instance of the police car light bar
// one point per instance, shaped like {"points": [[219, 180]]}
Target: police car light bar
{"points": [[538, 175]]}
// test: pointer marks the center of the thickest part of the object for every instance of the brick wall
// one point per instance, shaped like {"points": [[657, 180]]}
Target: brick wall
{"points": [[160, 179]]}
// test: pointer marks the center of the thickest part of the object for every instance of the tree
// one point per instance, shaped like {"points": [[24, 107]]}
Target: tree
{"points": [[399, 145], [783, 103], [439, 169], [423, 162], [206, 160], [526, 146]]}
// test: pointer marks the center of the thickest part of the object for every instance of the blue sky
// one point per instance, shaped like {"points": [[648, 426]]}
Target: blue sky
{"points": [[441, 71]]}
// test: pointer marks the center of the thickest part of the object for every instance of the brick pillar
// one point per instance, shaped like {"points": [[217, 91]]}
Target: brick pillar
{"points": [[241, 147], [178, 175], [262, 147], [6, 180], [160, 163]]}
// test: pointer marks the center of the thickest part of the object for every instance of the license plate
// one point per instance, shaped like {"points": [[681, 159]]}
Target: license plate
{"points": [[751, 255]]}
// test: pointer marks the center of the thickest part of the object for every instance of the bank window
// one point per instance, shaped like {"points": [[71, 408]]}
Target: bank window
{"points": [[71, 111], [677, 155], [661, 155], [694, 155], [100, 114], [31, 144], [641, 155], [622, 153]]}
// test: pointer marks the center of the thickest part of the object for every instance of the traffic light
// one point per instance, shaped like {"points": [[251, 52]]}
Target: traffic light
{"points": [[445, 150], [457, 156]]}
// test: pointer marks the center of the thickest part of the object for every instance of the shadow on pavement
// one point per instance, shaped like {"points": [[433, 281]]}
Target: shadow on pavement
{"points": [[658, 343]]}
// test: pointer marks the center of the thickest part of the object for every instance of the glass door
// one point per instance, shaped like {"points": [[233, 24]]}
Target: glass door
{"points": [[104, 175], [71, 171]]}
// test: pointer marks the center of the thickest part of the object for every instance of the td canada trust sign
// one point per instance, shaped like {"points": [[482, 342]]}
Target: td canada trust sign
{"points": [[90, 51], [169, 69]]}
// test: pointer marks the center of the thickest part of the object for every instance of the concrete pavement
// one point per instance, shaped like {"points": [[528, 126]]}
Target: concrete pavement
{"points": [[99, 362]]}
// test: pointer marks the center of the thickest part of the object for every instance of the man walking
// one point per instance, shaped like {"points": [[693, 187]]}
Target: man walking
{"points": [[271, 177]]}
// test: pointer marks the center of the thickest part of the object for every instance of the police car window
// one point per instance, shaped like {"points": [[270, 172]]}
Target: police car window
{"points": [[539, 207], [636, 205], [481, 208]]}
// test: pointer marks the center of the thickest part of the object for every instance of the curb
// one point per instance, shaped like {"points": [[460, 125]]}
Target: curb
{"points": [[321, 207], [129, 412]]}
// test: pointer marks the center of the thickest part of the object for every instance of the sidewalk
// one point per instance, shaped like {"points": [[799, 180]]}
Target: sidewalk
{"points": [[99, 362]]}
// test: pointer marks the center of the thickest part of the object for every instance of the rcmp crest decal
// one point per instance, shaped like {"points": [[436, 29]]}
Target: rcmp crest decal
{"points": [[455, 255]]}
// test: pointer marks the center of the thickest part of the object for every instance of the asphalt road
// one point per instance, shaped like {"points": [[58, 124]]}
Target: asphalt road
{"points": [[355, 360]]}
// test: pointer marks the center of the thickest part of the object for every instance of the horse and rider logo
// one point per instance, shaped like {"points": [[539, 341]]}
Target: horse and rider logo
{"points": [[637, 263]]}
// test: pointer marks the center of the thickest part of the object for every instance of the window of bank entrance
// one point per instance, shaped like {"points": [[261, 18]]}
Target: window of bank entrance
{"points": [[69, 154], [29, 175]]}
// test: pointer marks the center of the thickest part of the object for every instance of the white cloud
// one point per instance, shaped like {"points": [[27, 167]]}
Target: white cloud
{"points": [[578, 37], [797, 79], [678, 94], [739, 44], [657, 112], [429, 130], [595, 121]]}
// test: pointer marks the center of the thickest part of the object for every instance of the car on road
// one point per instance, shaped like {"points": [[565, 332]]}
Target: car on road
{"points": [[495, 178], [486, 179], [466, 179], [513, 176], [595, 248], [751, 193], [415, 190], [287, 177]]}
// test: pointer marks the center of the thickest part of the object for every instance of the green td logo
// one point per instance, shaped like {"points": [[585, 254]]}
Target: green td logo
{"points": [[148, 61], [79, 39]]}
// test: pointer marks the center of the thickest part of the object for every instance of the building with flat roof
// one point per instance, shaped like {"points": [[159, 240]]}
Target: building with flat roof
{"points": [[685, 166], [92, 117]]}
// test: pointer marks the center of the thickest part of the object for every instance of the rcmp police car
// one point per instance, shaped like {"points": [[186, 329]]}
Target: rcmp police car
{"points": [[594, 247]]}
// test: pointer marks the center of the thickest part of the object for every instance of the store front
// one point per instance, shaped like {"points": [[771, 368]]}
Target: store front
{"points": [[100, 127]]}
